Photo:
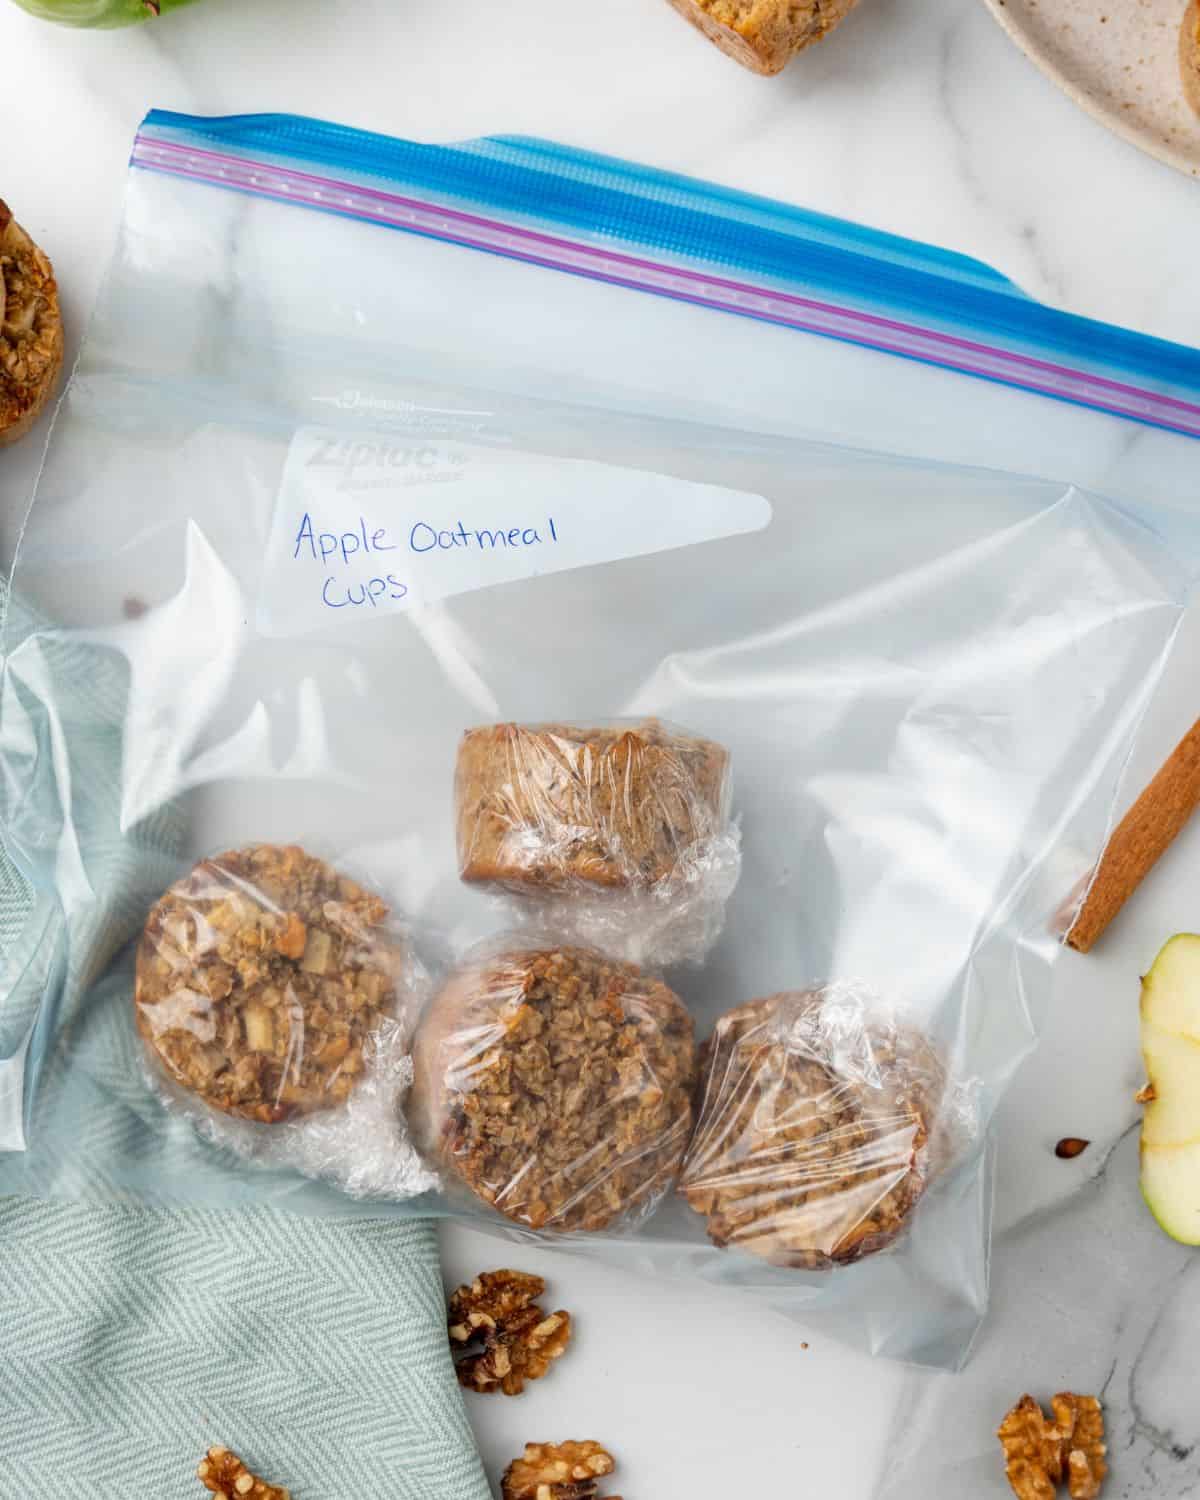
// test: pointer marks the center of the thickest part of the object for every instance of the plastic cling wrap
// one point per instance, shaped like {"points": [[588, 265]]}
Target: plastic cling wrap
{"points": [[420, 528], [260, 978], [816, 1127], [555, 1084], [625, 829], [276, 1009]]}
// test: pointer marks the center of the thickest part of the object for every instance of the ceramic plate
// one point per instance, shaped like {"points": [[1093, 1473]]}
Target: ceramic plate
{"points": [[1119, 59]]}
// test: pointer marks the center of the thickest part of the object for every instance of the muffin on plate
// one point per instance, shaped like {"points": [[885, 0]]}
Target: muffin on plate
{"points": [[1189, 55], [764, 34]]}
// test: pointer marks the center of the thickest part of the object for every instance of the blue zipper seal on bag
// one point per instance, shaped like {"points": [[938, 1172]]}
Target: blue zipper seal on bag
{"points": [[678, 237]]}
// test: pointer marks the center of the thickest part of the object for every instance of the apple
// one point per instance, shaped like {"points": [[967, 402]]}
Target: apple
{"points": [[99, 12], [1171, 1123]]}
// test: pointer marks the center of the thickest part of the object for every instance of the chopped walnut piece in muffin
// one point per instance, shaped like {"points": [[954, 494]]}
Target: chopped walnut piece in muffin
{"points": [[226, 1477], [260, 978], [500, 1336], [558, 1471], [555, 1084]]}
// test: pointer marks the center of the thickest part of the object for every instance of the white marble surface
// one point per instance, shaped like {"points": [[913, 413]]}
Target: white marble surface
{"points": [[922, 119]]}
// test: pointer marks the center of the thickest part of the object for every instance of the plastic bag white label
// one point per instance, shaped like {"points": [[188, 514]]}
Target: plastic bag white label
{"points": [[371, 523]]}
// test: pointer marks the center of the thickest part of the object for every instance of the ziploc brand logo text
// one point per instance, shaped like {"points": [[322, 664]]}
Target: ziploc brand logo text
{"points": [[364, 464], [351, 456], [371, 524]]}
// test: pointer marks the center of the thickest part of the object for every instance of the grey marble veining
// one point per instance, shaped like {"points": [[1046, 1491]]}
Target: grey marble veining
{"points": [[1088, 1296]]}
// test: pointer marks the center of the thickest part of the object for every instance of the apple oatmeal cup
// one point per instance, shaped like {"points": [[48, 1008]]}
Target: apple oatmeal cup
{"points": [[261, 977], [555, 1085], [815, 1129]]}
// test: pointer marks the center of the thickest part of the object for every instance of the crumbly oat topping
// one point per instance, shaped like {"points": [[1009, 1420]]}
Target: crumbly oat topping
{"points": [[556, 1085], [1039, 1454], [31, 339], [811, 1145], [551, 805], [260, 978], [558, 1471], [500, 1336], [226, 1477]]}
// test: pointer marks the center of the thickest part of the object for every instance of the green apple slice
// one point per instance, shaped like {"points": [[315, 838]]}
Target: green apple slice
{"points": [[105, 13], [1171, 1124]]}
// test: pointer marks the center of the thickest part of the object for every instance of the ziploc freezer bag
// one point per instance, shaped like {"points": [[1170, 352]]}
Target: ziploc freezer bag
{"points": [[644, 673]]}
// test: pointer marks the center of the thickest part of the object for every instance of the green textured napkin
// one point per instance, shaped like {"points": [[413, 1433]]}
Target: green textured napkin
{"points": [[133, 1339]]}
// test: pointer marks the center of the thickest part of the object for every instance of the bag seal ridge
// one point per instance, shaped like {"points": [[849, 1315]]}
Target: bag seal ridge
{"points": [[516, 198]]}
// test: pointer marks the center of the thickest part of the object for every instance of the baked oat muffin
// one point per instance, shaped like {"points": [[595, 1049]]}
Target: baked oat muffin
{"points": [[764, 34], [552, 806], [812, 1142], [555, 1084], [31, 332], [260, 977], [1189, 55]]}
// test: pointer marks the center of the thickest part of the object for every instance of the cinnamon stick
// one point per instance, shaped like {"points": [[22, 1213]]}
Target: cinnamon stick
{"points": [[1145, 833]]}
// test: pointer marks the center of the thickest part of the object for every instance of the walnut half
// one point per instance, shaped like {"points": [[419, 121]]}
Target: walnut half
{"points": [[1080, 1423], [558, 1471], [1039, 1454], [500, 1336], [225, 1476]]}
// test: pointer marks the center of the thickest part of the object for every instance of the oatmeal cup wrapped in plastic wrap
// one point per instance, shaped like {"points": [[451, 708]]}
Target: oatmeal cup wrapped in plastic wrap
{"points": [[625, 826], [276, 1002], [555, 1085], [821, 1121]]}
